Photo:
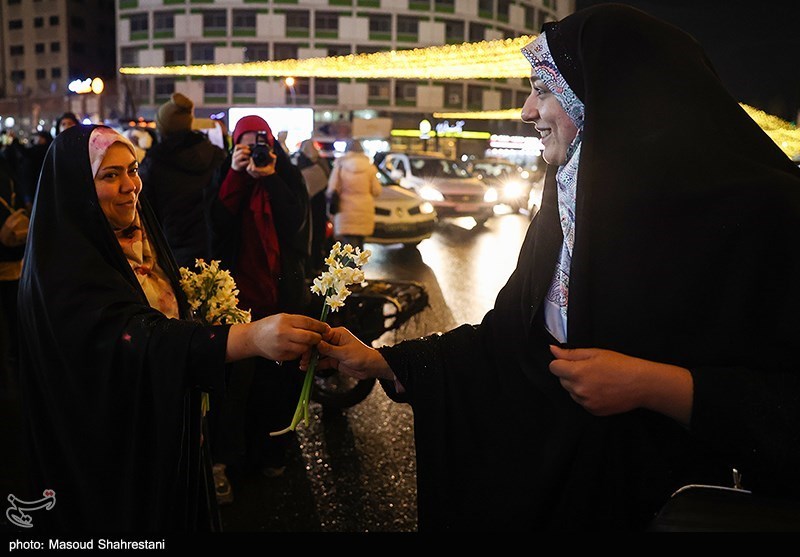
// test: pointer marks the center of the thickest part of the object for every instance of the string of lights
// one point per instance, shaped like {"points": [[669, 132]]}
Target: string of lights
{"points": [[482, 60], [499, 59]]}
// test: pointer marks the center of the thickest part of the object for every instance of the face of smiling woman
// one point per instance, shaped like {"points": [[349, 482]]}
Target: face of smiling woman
{"points": [[118, 185], [548, 116]]}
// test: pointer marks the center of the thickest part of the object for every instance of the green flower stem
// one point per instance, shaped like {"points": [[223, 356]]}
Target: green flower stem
{"points": [[301, 412]]}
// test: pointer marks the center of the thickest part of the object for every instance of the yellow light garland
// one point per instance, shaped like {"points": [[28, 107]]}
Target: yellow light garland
{"points": [[482, 60]]}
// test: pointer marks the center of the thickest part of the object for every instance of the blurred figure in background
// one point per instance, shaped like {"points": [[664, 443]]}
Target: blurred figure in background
{"points": [[66, 121], [11, 252], [354, 179], [31, 166], [261, 233], [316, 173], [176, 173]]}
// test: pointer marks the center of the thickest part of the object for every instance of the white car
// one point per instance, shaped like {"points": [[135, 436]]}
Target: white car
{"points": [[401, 216], [452, 190]]}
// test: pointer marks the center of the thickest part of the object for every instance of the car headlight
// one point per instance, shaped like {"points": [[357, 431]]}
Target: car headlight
{"points": [[430, 193], [490, 196], [513, 190], [426, 208]]}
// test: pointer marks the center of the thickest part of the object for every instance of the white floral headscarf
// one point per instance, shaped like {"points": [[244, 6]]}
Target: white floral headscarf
{"points": [[556, 302]]}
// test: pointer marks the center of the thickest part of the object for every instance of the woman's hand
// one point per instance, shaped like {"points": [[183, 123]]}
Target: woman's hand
{"points": [[262, 171], [341, 350], [241, 157], [606, 382], [277, 337]]}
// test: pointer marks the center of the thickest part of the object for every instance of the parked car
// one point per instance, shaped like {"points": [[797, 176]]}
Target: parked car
{"points": [[507, 178], [452, 190]]}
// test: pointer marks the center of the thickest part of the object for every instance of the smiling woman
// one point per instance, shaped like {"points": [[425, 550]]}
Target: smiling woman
{"points": [[112, 366]]}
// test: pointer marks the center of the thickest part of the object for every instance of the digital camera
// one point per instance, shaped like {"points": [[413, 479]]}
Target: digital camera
{"points": [[260, 151]]}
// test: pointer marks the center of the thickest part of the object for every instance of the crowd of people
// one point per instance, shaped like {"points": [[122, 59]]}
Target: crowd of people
{"points": [[638, 346]]}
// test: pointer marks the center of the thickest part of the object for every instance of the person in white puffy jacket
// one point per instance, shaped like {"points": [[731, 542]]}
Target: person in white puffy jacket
{"points": [[354, 179]]}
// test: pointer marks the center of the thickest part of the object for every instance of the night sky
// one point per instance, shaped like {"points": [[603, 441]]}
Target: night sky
{"points": [[754, 46]]}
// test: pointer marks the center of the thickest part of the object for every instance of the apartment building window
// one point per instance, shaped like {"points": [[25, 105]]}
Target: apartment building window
{"points": [[77, 22], [326, 91], [163, 25], [139, 26], [38, 22], [326, 25], [256, 52], [244, 22], [506, 96], [407, 28], [454, 95], [297, 23], [419, 5], [521, 97], [202, 53], [41, 73], [215, 23], [446, 6], [474, 97], [503, 9], [339, 50], [39, 48], [15, 24], [17, 50], [17, 76], [380, 27], [486, 9], [55, 46], [285, 51], [55, 73], [507, 33], [302, 90], [129, 56], [405, 93], [164, 87], [54, 20], [477, 32], [530, 17], [378, 93], [175, 54], [244, 89], [453, 31], [367, 49], [12, 2]]}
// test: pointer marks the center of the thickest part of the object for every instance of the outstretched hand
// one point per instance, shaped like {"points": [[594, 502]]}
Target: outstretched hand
{"points": [[341, 350], [605, 382], [278, 337]]}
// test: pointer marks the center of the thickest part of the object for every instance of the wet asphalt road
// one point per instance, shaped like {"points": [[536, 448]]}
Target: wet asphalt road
{"points": [[354, 470]]}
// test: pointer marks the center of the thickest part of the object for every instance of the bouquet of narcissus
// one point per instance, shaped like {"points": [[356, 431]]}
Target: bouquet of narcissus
{"points": [[212, 297], [212, 294], [344, 268]]}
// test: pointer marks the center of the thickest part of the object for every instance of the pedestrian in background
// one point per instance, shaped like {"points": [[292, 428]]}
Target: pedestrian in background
{"points": [[355, 182], [262, 234], [177, 174], [316, 172]]}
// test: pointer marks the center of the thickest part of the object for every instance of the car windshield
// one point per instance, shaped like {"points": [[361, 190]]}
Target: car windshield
{"points": [[495, 170], [437, 168], [385, 179]]}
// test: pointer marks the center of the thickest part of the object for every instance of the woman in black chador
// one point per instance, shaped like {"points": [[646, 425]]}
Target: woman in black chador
{"points": [[112, 367], [643, 341]]}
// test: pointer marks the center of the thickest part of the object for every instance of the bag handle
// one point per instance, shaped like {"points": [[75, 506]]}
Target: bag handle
{"points": [[13, 198]]}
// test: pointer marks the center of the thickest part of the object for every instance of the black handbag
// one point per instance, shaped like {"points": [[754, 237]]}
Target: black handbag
{"points": [[333, 203], [709, 508]]}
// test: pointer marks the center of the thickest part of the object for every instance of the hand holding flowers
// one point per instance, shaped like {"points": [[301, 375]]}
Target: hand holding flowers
{"points": [[344, 268]]}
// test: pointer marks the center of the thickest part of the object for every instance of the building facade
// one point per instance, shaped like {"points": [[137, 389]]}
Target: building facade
{"points": [[46, 44], [170, 32]]}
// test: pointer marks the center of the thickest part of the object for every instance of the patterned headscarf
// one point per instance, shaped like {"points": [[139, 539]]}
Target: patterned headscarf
{"points": [[555, 309], [133, 240]]}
